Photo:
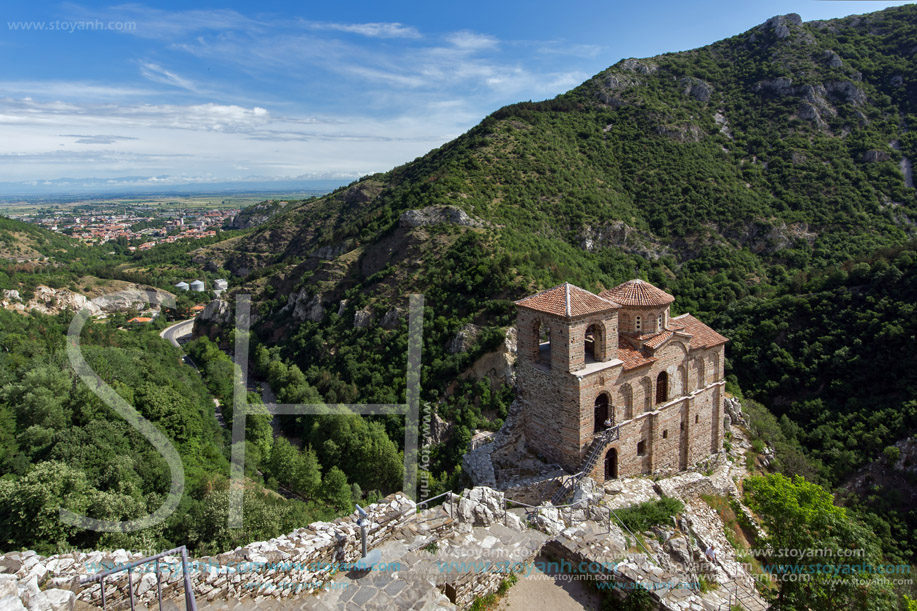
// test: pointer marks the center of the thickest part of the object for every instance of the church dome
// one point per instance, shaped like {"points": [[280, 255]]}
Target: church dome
{"points": [[637, 293]]}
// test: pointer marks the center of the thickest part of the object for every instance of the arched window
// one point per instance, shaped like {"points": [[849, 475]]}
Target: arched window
{"points": [[659, 322], [542, 341], [627, 399], [602, 412], [701, 372], [646, 387], [637, 323], [594, 348], [662, 387]]}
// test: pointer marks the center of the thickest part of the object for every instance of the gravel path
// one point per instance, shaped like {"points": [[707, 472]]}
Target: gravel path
{"points": [[549, 592]]}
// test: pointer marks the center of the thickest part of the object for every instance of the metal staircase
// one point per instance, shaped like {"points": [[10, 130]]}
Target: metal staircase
{"points": [[592, 457]]}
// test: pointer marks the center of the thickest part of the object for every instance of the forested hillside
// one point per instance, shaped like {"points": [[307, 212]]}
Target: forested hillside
{"points": [[753, 179]]}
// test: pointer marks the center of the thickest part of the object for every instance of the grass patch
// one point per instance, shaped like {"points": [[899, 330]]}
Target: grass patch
{"points": [[651, 513], [489, 602]]}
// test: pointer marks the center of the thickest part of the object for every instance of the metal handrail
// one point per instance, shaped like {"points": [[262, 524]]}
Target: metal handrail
{"points": [[190, 603]]}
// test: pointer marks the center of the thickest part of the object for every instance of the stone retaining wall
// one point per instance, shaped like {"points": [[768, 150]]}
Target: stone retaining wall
{"points": [[294, 564]]}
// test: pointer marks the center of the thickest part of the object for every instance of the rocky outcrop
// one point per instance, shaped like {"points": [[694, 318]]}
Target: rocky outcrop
{"points": [[436, 215], [304, 305], [499, 366], [780, 26], [696, 88], [464, 339], [846, 92], [54, 301], [907, 170], [640, 66], [478, 464], [833, 59], [391, 319], [733, 408], [139, 298], [333, 251], [216, 312], [621, 236], [362, 192], [255, 215], [362, 319]]}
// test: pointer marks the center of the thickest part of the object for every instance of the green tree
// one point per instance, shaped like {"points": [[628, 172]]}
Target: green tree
{"points": [[309, 473], [336, 490], [799, 515]]}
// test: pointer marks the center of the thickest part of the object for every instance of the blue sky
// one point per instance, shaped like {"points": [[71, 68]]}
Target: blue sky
{"points": [[167, 93]]}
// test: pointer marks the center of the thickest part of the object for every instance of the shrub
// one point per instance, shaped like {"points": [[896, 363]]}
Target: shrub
{"points": [[646, 515]]}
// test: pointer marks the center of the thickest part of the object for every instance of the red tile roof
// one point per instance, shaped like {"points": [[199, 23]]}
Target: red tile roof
{"points": [[637, 293], [632, 357], [567, 300], [658, 339], [702, 335]]}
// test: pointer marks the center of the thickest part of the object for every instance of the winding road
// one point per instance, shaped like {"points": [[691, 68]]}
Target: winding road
{"points": [[176, 331]]}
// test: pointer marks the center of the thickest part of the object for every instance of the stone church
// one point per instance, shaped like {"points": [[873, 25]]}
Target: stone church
{"points": [[613, 386]]}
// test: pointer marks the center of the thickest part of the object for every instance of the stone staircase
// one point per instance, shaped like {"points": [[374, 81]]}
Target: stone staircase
{"points": [[592, 457]]}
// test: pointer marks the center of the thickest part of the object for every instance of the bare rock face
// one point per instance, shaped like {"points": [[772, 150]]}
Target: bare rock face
{"points": [[696, 88], [733, 409], [464, 339], [305, 306], [217, 312], [391, 319], [362, 319], [781, 24], [907, 169], [497, 366], [437, 215], [332, 251], [874, 156], [846, 91], [779, 86], [50, 301], [480, 506], [362, 192], [834, 60], [440, 430], [636, 65], [134, 298], [252, 216]]}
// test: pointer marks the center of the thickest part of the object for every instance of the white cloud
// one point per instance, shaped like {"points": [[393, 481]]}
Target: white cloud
{"points": [[371, 30], [472, 41], [158, 74]]}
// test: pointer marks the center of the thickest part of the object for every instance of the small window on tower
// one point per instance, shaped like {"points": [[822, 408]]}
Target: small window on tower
{"points": [[637, 323], [695, 418], [665, 434], [659, 323], [641, 448]]}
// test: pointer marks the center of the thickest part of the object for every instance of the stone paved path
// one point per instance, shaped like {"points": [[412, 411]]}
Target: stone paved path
{"points": [[549, 592]]}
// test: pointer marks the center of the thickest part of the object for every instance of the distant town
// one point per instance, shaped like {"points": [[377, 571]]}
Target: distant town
{"points": [[140, 226]]}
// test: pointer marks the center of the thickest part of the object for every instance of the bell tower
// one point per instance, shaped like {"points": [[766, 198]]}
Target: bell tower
{"points": [[562, 333]]}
